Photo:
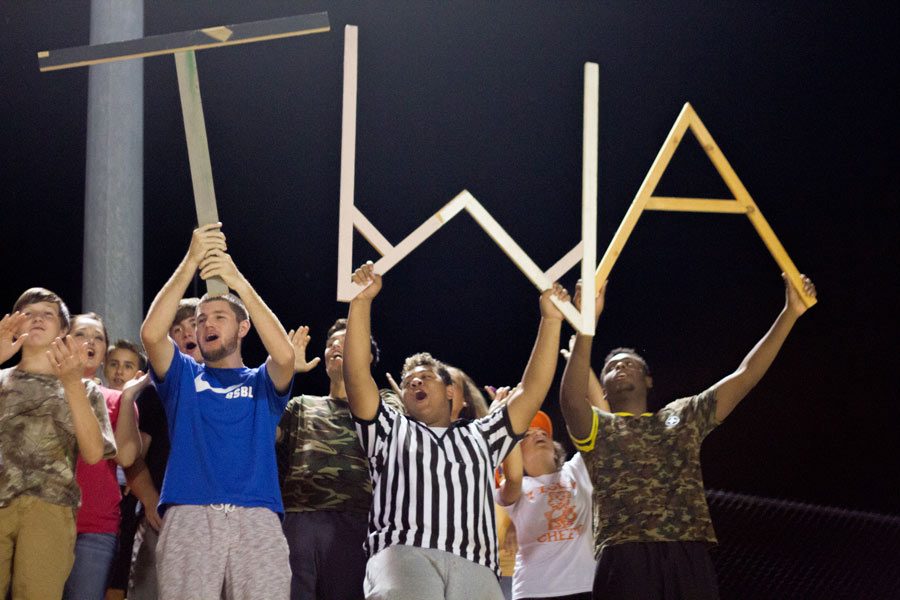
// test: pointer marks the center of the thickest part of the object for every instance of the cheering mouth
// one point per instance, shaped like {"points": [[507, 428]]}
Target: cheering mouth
{"points": [[190, 346]]}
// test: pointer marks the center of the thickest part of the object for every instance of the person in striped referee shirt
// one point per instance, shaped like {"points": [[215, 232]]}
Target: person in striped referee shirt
{"points": [[431, 526]]}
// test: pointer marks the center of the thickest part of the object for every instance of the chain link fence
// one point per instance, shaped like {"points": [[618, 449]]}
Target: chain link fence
{"points": [[777, 549]]}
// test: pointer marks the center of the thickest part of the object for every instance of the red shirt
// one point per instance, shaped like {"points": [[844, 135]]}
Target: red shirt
{"points": [[100, 494]]}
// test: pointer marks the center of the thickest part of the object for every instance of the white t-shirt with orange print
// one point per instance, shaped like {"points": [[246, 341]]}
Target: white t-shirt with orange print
{"points": [[553, 527]]}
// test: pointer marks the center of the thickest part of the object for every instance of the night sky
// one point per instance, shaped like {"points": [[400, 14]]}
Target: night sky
{"points": [[487, 96]]}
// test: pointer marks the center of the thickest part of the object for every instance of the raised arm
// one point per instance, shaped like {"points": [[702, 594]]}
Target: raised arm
{"points": [[155, 329], [513, 466], [280, 363], [128, 438], [362, 391], [595, 395], [574, 391], [67, 359], [528, 397], [513, 471], [732, 389]]}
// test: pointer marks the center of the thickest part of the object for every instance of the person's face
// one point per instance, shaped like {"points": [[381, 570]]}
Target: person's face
{"points": [[121, 366], [184, 335], [218, 330], [425, 396], [538, 452], [334, 355], [43, 323], [625, 373], [89, 332], [537, 442]]}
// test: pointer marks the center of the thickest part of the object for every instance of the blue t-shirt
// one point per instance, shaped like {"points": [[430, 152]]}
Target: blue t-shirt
{"points": [[222, 429]]}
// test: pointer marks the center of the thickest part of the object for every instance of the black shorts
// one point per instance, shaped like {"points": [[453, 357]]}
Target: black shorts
{"points": [[656, 571]]}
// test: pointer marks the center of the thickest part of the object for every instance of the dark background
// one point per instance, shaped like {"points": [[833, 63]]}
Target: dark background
{"points": [[488, 97]]}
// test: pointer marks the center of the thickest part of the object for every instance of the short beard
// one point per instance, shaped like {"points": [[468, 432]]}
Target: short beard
{"points": [[225, 350]]}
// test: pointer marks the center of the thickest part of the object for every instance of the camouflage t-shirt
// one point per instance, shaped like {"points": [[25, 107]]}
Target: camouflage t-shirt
{"points": [[648, 486], [37, 439], [321, 464]]}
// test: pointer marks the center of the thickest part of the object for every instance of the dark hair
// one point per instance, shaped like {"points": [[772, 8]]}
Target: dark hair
{"points": [[129, 345], [475, 405], [39, 294], [630, 352], [424, 359], [341, 325], [237, 306], [187, 307], [96, 317]]}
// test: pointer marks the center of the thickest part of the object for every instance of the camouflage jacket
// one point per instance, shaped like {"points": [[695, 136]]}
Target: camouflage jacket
{"points": [[648, 486], [37, 439], [321, 464]]}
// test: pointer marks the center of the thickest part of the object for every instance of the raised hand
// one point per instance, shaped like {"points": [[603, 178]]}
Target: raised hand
{"points": [[792, 300], [205, 239], [300, 341], [366, 276], [219, 263], [599, 301], [499, 396], [136, 384], [10, 338], [548, 309], [68, 358]]}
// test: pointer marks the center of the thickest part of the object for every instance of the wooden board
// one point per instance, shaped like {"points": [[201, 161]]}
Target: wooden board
{"points": [[345, 288], [589, 148], [183, 46], [171, 43], [351, 218], [742, 203], [198, 151]]}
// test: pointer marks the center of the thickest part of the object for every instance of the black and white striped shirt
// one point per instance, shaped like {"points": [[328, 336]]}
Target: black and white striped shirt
{"points": [[435, 491]]}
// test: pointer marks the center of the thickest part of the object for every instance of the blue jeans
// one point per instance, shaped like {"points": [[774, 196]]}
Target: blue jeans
{"points": [[94, 553]]}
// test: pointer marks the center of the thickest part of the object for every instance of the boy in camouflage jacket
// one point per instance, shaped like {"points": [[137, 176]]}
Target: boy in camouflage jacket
{"points": [[48, 416], [651, 522]]}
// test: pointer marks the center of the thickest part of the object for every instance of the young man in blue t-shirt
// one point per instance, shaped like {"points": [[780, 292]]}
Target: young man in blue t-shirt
{"points": [[220, 499]]}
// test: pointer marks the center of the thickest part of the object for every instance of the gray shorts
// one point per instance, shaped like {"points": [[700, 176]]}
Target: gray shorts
{"points": [[214, 551], [411, 573]]}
